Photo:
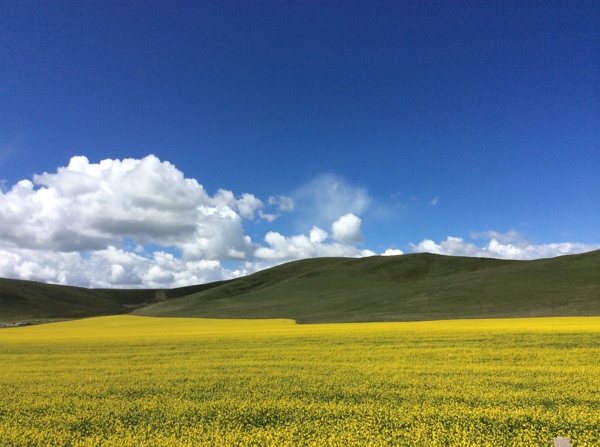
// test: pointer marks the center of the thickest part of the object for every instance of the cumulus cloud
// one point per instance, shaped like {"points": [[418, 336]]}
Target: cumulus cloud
{"points": [[142, 223], [345, 235], [246, 206], [347, 229], [317, 235], [111, 267], [87, 206], [392, 252], [64, 227], [282, 248], [456, 246], [219, 234]]}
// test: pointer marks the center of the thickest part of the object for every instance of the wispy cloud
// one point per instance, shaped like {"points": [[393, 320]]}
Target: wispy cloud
{"points": [[283, 203], [327, 197], [510, 236]]}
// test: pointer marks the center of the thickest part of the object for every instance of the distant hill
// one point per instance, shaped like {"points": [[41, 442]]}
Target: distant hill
{"points": [[398, 288], [29, 300], [401, 288]]}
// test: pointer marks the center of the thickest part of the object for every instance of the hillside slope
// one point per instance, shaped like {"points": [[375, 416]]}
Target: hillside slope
{"points": [[29, 300], [401, 288]]}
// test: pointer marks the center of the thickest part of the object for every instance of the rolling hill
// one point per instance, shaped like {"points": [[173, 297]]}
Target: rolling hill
{"points": [[400, 288], [30, 300]]}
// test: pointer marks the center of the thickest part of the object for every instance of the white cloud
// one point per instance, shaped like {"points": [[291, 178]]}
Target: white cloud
{"points": [[141, 223], [219, 234], [345, 234], [455, 246], [434, 201], [87, 206], [392, 252], [111, 267], [317, 235], [347, 229], [283, 248], [90, 206], [284, 203], [246, 206], [267, 216], [91, 224]]}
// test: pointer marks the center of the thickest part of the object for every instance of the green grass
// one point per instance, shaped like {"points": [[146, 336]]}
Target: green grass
{"points": [[400, 288], [30, 300]]}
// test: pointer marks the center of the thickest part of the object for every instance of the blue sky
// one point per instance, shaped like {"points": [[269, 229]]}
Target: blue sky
{"points": [[237, 135]]}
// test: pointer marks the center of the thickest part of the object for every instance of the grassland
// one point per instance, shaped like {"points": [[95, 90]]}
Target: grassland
{"points": [[31, 300], [400, 288], [129, 381]]}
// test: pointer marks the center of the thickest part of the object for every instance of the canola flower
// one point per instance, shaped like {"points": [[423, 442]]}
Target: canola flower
{"points": [[139, 381]]}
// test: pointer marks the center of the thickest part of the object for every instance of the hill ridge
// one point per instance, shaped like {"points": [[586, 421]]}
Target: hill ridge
{"points": [[408, 287]]}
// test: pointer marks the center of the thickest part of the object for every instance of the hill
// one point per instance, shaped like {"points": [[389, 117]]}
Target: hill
{"points": [[401, 288], [30, 300]]}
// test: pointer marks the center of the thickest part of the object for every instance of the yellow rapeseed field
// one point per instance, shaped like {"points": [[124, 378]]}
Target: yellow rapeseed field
{"points": [[137, 381]]}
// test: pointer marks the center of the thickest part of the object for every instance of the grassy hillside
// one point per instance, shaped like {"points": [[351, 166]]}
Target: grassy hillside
{"points": [[29, 300], [401, 288]]}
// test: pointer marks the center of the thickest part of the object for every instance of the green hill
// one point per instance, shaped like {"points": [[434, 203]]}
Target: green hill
{"points": [[29, 300], [399, 288]]}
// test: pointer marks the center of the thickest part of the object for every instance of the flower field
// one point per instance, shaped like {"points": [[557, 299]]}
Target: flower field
{"points": [[138, 381]]}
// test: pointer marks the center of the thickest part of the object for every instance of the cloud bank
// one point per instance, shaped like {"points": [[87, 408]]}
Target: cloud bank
{"points": [[456, 246], [142, 223]]}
